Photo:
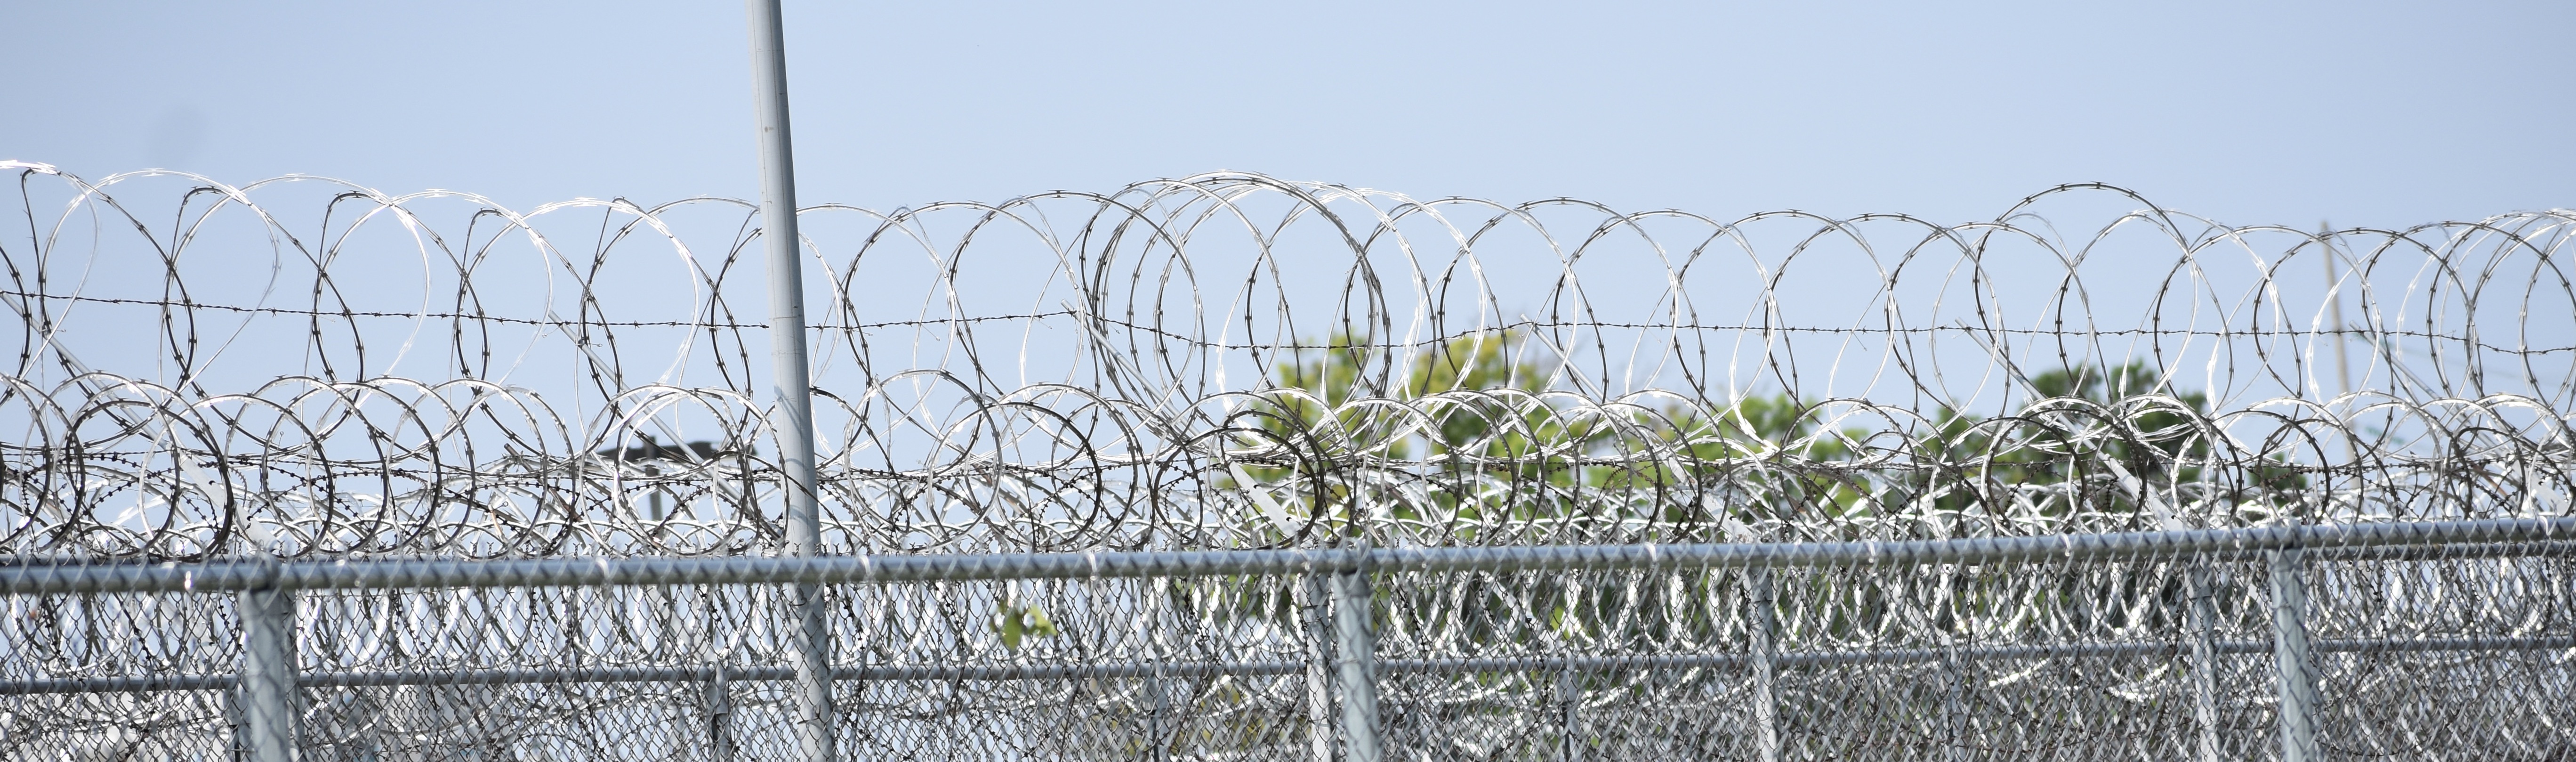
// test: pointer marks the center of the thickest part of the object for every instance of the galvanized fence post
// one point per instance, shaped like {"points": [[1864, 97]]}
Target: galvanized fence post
{"points": [[1762, 618], [269, 709], [237, 744], [1319, 668], [1954, 694], [2204, 658], [2291, 657], [1158, 734], [1355, 654], [812, 643], [1569, 700], [719, 716]]}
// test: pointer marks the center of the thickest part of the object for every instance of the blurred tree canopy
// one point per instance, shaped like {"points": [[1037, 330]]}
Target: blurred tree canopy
{"points": [[1492, 437], [1475, 429]]}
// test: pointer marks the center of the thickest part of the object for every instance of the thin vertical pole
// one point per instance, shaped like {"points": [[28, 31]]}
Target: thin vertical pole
{"points": [[2204, 658], [2343, 367], [1954, 672], [1569, 700], [2292, 658], [1762, 617], [268, 705], [1155, 733], [790, 372], [720, 744], [237, 746], [1954, 713], [1319, 669], [1355, 653]]}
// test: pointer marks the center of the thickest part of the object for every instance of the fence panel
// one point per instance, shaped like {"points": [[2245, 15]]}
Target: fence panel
{"points": [[1969, 650]]}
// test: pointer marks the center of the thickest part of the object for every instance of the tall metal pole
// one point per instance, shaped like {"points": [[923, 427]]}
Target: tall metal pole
{"points": [[2343, 367], [790, 371]]}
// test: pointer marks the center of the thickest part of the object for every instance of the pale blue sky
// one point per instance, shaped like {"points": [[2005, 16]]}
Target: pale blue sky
{"points": [[2378, 114]]}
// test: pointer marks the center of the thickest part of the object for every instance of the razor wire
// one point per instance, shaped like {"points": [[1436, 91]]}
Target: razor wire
{"points": [[1115, 371], [311, 371]]}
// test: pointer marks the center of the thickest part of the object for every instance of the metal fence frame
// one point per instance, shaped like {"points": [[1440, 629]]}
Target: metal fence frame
{"points": [[265, 688]]}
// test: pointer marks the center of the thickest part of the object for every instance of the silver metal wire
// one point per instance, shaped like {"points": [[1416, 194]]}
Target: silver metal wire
{"points": [[2094, 627], [2104, 411]]}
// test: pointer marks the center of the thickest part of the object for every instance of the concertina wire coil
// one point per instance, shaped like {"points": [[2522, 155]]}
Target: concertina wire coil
{"points": [[314, 370], [435, 375]]}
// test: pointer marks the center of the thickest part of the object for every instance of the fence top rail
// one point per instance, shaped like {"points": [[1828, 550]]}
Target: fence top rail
{"points": [[45, 575]]}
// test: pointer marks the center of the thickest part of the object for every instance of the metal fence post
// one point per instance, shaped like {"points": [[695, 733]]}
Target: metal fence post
{"points": [[2291, 657], [1762, 618], [1319, 669], [813, 649], [236, 745], [719, 716], [1569, 699], [791, 373], [1355, 653], [2204, 658], [1157, 736], [1954, 694], [268, 695]]}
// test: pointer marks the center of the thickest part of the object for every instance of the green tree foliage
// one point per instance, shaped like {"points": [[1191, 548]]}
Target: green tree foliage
{"points": [[2095, 430], [1475, 407], [1978, 457], [1467, 408], [2093, 438], [1465, 425]]}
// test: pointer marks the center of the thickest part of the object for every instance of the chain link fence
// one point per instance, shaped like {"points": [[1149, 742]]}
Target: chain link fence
{"points": [[2443, 640]]}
